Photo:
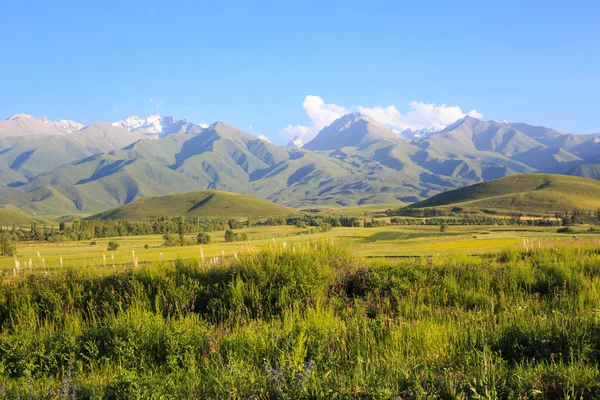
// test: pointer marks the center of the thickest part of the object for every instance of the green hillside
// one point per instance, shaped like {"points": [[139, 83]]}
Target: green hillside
{"points": [[531, 193], [10, 215], [204, 203]]}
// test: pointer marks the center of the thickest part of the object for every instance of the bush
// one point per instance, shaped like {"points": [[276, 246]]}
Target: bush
{"points": [[566, 229], [234, 224], [231, 236], [112, 246], [146, 246], [203, 238], [324, 227], [170, 239]]}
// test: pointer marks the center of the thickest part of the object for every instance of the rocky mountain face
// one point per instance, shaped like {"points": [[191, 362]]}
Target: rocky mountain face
{"points": [[46, 169]]}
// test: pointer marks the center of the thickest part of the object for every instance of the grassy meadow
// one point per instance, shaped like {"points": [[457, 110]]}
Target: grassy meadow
{"points": [[390, 312], [388, 241]]}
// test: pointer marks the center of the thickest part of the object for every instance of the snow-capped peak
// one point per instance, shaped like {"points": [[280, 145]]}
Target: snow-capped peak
{"points": [[157, 125], [16, 117], [65, 125], [346, 120], [419, 133], [296, 142], [499, 121], [264, 138]]}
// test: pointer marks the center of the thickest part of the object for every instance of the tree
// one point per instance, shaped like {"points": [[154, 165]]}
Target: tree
{"points": [[443, 227], [7, 246], [181, 230], [234, 224], [230, 236], [203, 238], [325, 227], [169, 239], [112, 246]]}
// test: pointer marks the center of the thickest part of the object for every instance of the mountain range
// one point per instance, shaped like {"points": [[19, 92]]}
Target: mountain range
{"points": [[63, 167]]}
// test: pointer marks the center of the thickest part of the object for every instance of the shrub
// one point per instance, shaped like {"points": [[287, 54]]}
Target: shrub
{"points": [[231, 236], [203, 238], [566, 229], [234, 224], [112, 246], [170, 239], [325, 227]]}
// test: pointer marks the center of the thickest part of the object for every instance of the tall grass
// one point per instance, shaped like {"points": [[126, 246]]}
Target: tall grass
{"points": [[308, 322]]}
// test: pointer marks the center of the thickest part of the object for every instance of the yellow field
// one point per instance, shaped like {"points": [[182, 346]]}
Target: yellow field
{"points": [[387, 241]]}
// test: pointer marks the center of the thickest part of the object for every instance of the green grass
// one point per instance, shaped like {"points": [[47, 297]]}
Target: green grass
{"points": [[11, 215], [308, 321], [369, 210], [389, 241], [207, 203], [531, 193]]}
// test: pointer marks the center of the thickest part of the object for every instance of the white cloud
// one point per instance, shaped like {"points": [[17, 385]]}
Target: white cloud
{"points": [[150, 100], [320, 114], [249, 128], [419, 116], [291, 131]]}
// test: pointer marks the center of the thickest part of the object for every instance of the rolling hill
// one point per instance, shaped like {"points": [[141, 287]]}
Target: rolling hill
{"points": [[11, 215], [531, 193], [204, 203]]}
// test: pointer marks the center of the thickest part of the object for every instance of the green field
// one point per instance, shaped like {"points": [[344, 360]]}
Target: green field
{"points": [[389, 241]]}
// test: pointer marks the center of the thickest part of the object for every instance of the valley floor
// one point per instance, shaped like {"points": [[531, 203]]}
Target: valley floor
{"points": [[388, 241]]}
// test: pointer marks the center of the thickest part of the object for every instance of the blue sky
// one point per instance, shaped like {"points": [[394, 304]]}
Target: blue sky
{"points": [[254, 63]]}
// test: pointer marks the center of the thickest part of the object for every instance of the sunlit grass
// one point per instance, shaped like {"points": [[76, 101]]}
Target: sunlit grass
{"points": [[309, 319]]}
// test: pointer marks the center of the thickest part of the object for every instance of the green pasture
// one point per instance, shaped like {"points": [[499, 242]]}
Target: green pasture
{"points": [[386, 241]]}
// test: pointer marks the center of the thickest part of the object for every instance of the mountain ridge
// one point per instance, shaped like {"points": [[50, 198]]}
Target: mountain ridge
{"points": [[355, 160]]}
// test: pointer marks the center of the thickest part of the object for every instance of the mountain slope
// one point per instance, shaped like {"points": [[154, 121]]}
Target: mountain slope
{"points": [[591, 171], [353, 161], [532, 193], [205, 203], [11, 215], [351, 130], [25, 125]]}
